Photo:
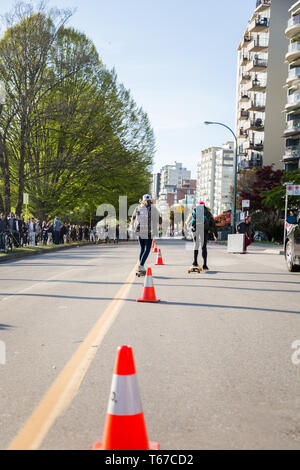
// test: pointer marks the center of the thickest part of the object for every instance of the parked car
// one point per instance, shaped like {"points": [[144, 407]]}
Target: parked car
{"points": [[292, 246]]}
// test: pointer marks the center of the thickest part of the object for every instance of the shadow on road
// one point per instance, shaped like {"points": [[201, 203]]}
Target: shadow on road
{"points": [[4, 327], [177, 304]]}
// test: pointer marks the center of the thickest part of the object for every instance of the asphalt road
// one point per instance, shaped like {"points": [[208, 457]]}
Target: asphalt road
{"points": [[213, 357]]}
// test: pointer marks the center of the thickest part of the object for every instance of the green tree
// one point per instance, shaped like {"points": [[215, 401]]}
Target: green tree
{"points": [[72, 136]]}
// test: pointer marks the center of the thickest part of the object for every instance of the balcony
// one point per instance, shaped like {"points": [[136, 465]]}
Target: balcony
{"points": [[257, 65], [245, 41], [254, 162], [256, 125], [293, 27], [244, 98], [294, 74], [259, 25], [244, 116], [254, 145], [293, 101], [292, 128], [245, 78], [258, 45], [257, 85], [291, 154], [243, 134], [244, 60], [258, 106], [262, 5], [293, 52]]}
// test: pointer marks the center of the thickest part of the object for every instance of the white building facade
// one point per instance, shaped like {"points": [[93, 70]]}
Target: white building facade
{"points": [[215, 178], [172, 176], [223, 179], [260, 80], [291, 157]]}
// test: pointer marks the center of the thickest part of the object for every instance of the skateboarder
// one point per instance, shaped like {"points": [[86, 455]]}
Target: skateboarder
{"points": [[145, 222], [201, 222]]}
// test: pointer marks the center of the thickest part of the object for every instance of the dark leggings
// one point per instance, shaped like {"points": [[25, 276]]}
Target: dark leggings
{"points": [[145, 245]]}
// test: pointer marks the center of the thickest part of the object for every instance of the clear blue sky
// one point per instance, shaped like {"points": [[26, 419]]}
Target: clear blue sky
{"points": [[178, 58]]}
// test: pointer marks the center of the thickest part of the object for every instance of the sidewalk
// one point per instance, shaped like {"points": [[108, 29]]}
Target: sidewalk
{"points": [[40, 250], [37, 250]]}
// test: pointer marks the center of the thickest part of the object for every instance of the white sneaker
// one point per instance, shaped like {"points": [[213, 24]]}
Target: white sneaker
{"points": [[142, 269]]}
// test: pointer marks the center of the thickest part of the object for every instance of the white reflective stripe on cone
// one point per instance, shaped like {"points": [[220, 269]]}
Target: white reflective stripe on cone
{"points": [[148, 281], [124, 398]]}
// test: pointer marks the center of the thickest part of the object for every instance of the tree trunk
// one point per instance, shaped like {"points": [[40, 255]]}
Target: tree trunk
{"points": [[21, 168]]}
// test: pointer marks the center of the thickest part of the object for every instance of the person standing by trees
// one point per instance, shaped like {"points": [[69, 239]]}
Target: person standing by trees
{"points": [[31, 230], [3, 228], [145, 222], [56, 231]]}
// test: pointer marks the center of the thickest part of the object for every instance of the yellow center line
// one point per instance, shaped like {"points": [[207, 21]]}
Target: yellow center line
{"points": [[66, 385]]}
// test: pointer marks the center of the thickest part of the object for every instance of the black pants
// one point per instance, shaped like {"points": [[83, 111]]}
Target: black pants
{"points": [[145, 245]]}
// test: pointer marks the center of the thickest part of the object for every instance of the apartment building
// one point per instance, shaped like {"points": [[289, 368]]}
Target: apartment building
{"points": [[291, 157], [155, 186], [172, 176], [223, 179], [206, 176], [261, 76]]}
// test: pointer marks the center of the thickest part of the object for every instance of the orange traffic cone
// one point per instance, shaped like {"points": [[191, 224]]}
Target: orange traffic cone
{"points": [[125, 427], [153, 243], [159, 260], [155, 248], [149, 291]]}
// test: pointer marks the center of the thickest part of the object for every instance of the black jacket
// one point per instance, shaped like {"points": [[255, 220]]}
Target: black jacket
{"points": [[248, 229], [3, 225]]}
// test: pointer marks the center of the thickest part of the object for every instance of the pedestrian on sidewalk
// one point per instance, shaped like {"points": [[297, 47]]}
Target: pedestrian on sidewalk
{"points": [[3, 229], [117, 234], [56, 231], [31, 230], [247, 228], [202, 223], [145, 222]]}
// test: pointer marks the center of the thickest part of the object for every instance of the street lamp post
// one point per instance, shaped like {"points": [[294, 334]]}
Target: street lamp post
{"points": [[234, 172]]}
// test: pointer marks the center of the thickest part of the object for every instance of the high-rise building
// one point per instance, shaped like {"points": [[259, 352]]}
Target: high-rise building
{"points": [[206, 176], [223, 179], [172, 176], [215, 177], [155, 187], [291, 156], [260, 79]]}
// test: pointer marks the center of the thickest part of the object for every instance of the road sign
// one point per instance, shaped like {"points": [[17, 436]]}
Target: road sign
{"points": [[25, 198], [297, 190], [293, 190], [245, 203]]}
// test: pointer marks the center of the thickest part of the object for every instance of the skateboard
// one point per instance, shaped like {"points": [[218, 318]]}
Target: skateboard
{"points": [[140, 274], [195, 269]]}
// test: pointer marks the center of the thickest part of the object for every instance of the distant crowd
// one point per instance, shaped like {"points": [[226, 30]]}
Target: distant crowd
{"points": [[36, 232]]}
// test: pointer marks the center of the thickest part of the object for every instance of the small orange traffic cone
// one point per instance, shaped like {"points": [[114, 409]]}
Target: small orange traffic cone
{"points": [[149, 290], [125, 427], [159, 260], [155, 250], [153, 243]]}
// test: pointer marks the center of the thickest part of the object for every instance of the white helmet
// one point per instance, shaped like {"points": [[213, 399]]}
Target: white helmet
{"points": [[147, 197]]}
